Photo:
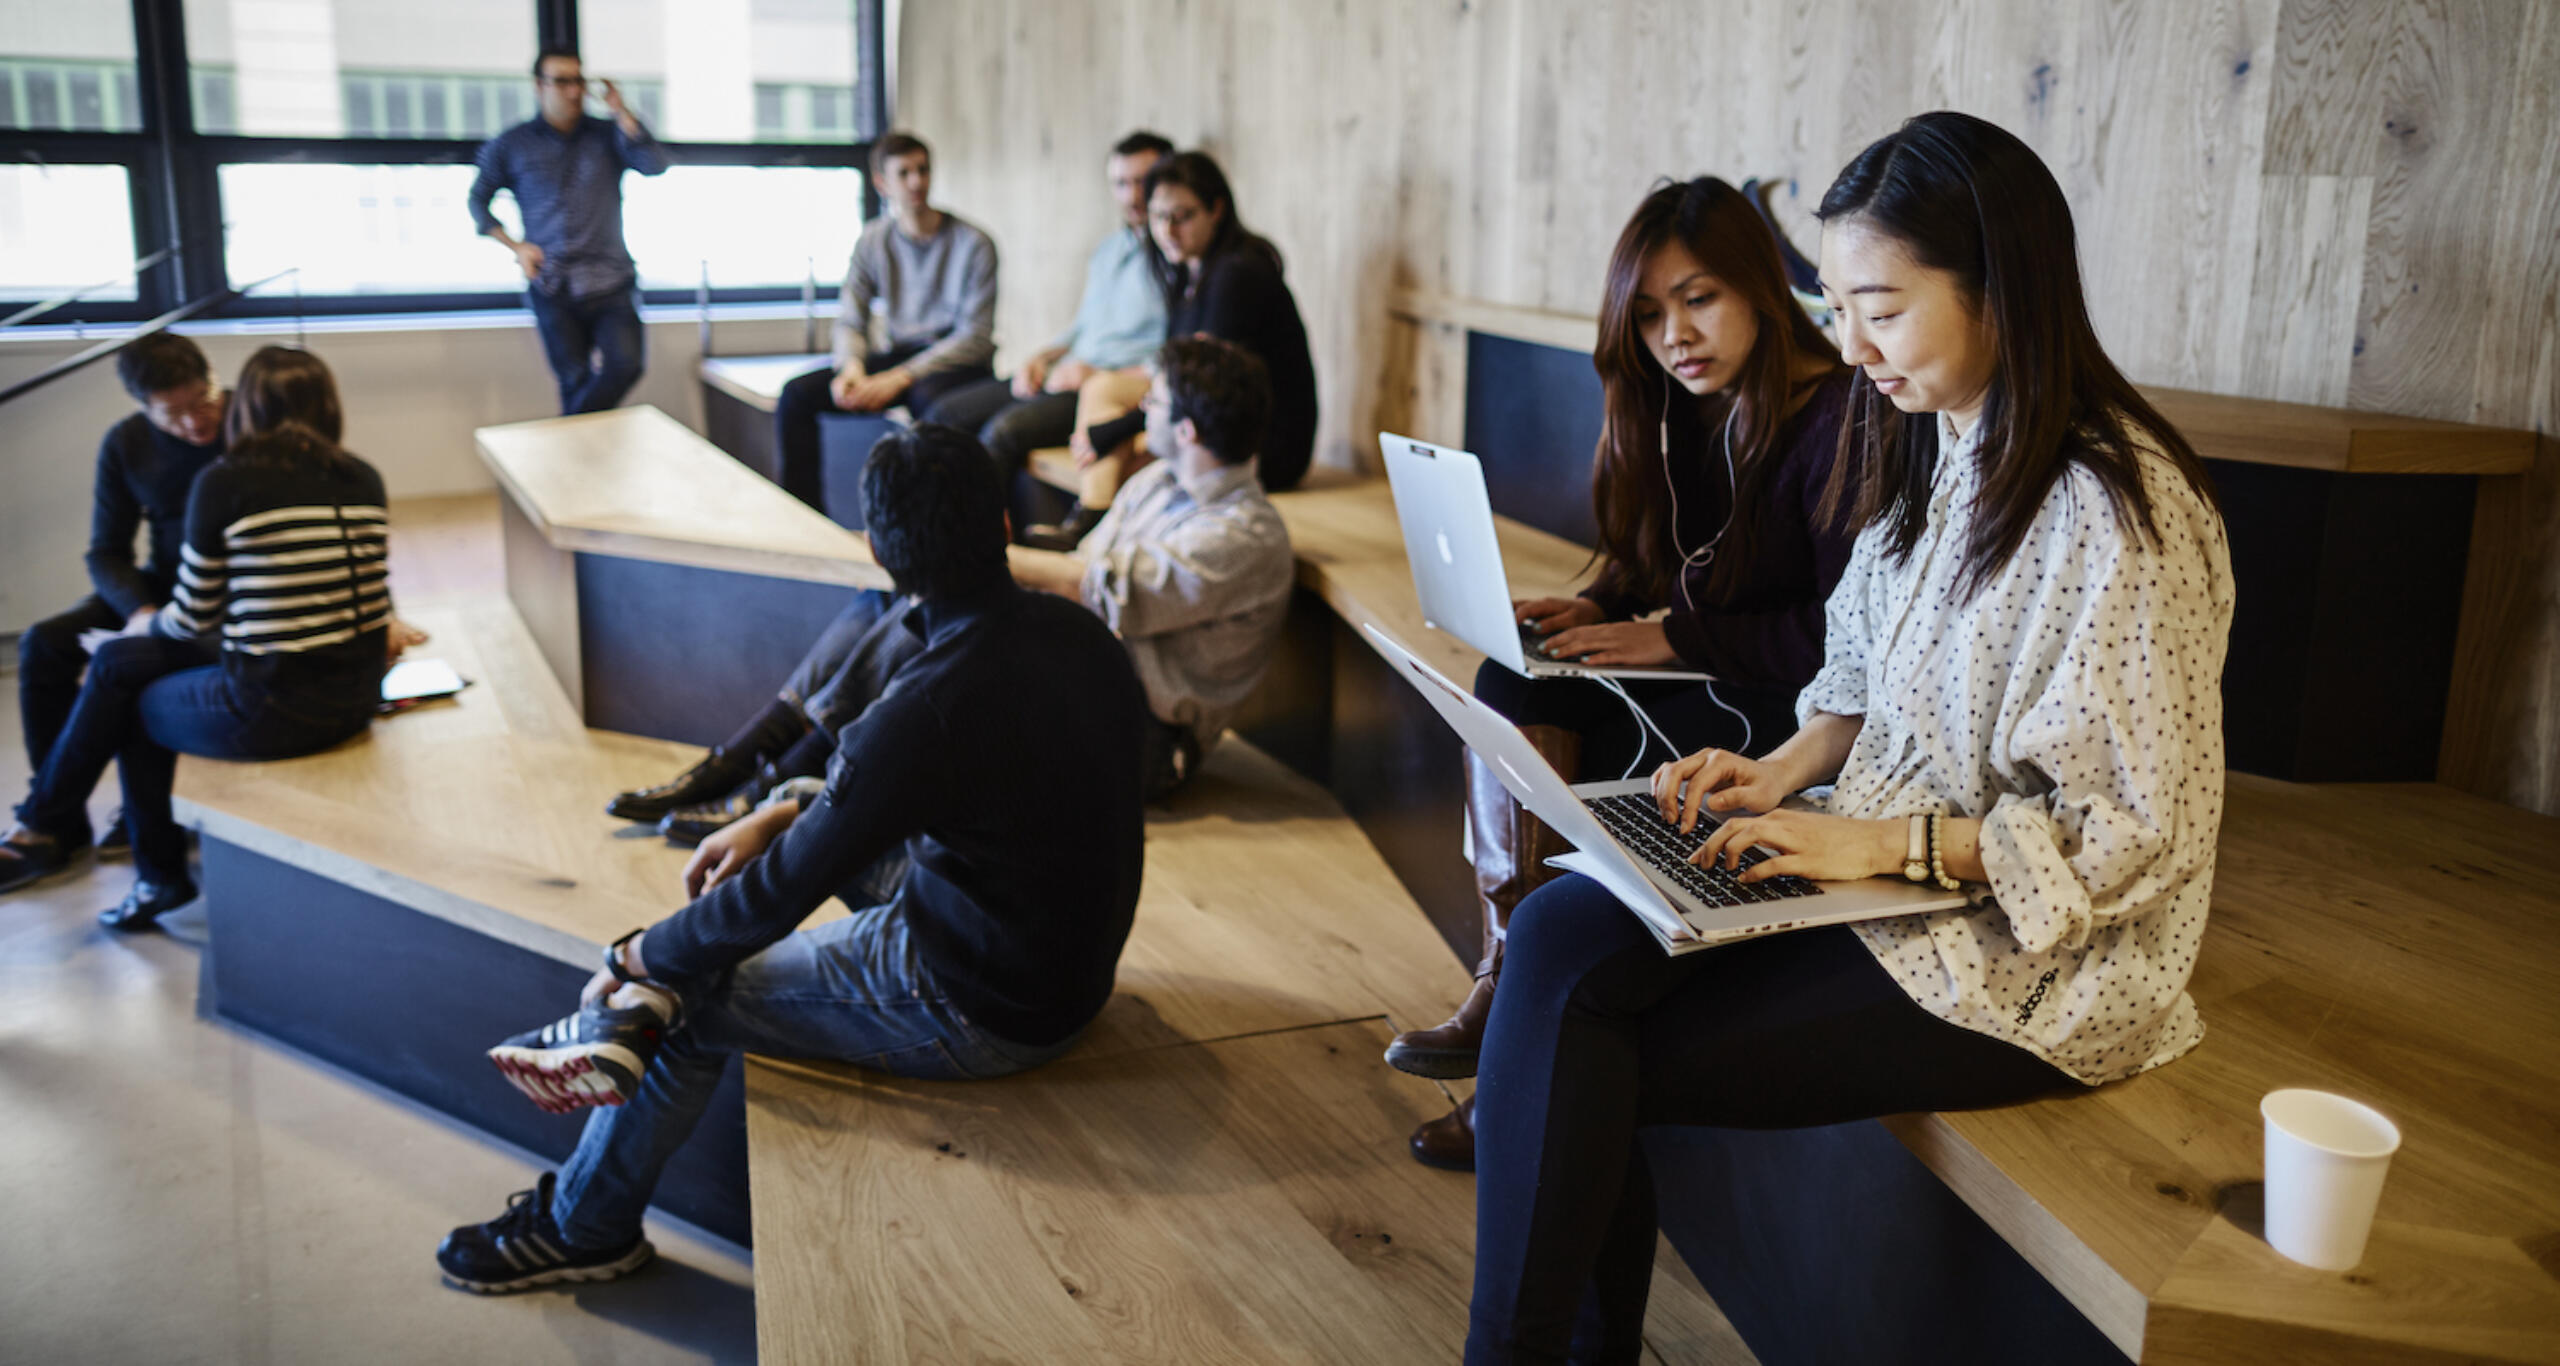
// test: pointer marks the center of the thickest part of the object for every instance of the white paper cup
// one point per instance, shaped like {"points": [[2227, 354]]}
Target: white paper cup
{"points": [[2326, 1156]]}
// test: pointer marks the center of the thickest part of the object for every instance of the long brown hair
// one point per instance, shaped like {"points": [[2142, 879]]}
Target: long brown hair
{"points": [[1967, 197], [280, 384], [283, 385], [1628, 477]]}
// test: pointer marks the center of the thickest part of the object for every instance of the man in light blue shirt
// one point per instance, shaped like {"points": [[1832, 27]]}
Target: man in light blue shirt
{"points": [[1118, 325]]}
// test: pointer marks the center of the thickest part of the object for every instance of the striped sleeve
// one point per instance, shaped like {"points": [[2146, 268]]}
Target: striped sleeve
{"points": [[195, 604]]}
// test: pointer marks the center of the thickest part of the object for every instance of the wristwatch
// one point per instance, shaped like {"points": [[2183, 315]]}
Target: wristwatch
{"points": [[1915, 859]]}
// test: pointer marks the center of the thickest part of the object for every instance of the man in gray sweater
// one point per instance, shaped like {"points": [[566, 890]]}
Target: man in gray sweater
{"points": [[928, 279]]}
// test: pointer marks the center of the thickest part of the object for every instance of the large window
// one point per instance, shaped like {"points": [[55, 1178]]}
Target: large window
{"points": [[330, 143]]}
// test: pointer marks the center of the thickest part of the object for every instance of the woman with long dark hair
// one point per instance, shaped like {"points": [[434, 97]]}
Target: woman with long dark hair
{"points": [[284, 576], [1722, 404], [2021, 677], [1221, 280]]}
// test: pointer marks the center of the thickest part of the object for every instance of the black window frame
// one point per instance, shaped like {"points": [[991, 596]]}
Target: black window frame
{"points": [[174, 173]]}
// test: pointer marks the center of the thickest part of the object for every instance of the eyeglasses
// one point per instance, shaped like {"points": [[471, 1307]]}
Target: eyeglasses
{"points": [[1174, 218], [563, 82]]}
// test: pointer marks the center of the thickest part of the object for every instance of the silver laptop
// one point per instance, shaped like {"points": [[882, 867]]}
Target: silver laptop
{"points": [[1457, 562], [1621, 841]]}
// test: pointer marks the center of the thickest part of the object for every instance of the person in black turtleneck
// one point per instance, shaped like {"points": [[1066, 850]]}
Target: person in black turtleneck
{"points": [[984, 934], [146, 464]]}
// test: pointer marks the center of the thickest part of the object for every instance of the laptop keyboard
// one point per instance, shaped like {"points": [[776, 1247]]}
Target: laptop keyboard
{"points": [[1534, 645], [1638, 824]]}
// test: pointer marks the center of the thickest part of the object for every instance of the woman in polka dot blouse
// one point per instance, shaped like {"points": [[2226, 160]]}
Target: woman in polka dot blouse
{"points": [[2027, 643]]}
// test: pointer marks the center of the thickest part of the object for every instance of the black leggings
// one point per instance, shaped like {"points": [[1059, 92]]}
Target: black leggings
{"points": [[1611, 738], [1597, 1032]]}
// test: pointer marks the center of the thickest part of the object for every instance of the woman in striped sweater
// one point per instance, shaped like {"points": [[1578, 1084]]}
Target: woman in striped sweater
{"points": [[273, 645]]}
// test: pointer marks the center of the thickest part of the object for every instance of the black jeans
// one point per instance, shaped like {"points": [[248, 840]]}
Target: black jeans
{"points": [[1611, 739], [1010, 428], [50, 658], [596, 346], [802, 401], [147, 700], [1597, 1033]]}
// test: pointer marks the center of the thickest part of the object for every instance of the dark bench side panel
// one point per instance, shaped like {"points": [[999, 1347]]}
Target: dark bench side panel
{"points": [[411, 1002]]}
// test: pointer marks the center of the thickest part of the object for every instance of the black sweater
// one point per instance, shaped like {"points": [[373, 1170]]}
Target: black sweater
{"points": [[143, 476], [286, 568], [1240, 297], [1026, 875], [1765, 630]]}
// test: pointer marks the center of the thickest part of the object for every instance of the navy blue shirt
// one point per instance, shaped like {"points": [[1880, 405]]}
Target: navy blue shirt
{"points": [[568, 187], [1025, 876], [143, 476]]}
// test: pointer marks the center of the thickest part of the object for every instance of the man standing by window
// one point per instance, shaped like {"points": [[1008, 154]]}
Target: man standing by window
{"points": [[565, 170]]}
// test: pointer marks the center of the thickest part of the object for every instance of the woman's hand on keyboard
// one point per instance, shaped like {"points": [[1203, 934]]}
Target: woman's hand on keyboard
{"points": [[1716, 780], [1547, 616], [1809, 844], [1614, 645]]}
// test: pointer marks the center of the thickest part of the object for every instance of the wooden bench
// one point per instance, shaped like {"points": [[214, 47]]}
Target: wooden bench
{"points": [[670, 587], [1216, 1174], [739, 394], [397, 904], [2399, 943]]}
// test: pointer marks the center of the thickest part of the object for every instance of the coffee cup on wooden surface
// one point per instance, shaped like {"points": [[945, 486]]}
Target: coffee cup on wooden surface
{"points": [[2326, 1157]]}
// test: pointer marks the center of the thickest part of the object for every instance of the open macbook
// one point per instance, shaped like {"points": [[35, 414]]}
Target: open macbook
{"points": [[1621, 841], [1457, 563]]}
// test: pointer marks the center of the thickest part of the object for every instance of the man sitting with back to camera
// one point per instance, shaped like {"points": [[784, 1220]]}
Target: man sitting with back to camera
{"points": [[1192, 569], [985, 933]]}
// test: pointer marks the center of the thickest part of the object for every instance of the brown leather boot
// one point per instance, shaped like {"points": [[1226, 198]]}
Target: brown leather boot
{"points": [[1511, 851], [1448, 1142]]}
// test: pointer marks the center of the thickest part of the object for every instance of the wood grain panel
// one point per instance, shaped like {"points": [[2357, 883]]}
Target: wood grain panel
{"points": [[2447, 92], [2238, 169]]}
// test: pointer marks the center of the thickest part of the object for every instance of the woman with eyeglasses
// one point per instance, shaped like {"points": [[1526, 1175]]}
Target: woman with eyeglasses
{"points": [[1220, 280]]}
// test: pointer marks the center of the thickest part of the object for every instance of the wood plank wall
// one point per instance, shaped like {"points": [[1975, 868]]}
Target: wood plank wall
{"points": [[2344, 202]]}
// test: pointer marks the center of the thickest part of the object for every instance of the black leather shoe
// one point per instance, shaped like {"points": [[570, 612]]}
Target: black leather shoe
{"points": [[1448, 1142], [145, 904], [691, 825], [29, 859], [718, 772], [1065, 534]]}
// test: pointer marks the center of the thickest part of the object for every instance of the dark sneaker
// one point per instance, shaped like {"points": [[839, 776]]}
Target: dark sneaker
{"points": [[117, 841], [145, 904], [522, 1248], [594, 1057], [27, 858], [718, 772], [691, 825]]}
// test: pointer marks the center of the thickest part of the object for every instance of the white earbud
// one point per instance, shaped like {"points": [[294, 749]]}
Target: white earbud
{"points": [[1705, 554]]}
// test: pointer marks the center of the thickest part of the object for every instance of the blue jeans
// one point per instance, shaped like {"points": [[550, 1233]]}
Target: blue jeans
{"points": [[1597, 1033], [852, 990], [595, 346], [149, 699]]}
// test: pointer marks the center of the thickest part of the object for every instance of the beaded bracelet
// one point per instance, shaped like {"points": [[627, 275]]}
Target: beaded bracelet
{"points": [[1938, 856]]}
